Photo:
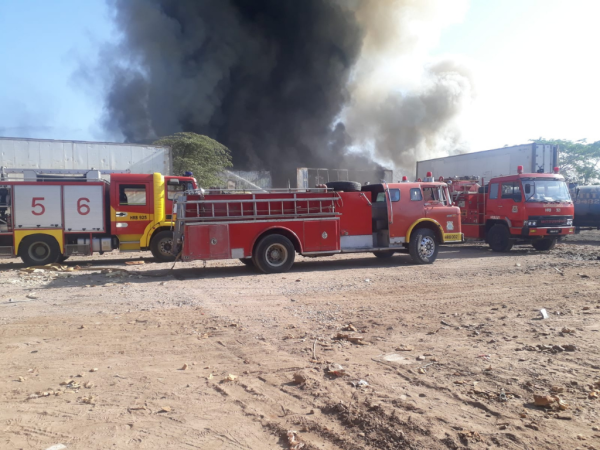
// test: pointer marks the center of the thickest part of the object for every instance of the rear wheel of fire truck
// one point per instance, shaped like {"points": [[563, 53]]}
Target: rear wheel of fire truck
{"points": [[274, 254], [423, 246], [499, 238], [384, 254], [161, 246], [544, 244], [247, 261], [39, 250]]}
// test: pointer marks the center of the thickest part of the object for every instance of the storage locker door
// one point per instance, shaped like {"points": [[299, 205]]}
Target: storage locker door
{"points": [[83, 208], [37, 206]]}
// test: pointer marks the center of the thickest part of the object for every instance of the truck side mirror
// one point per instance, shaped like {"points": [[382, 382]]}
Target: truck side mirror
{"points": [[528, 189]]}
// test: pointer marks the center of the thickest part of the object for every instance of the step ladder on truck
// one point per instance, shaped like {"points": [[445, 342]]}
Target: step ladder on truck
{"points": [[47, 216], [266, 228]]}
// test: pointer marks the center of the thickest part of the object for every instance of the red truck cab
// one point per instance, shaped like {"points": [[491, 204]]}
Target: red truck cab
{"points": [[533, 208]]}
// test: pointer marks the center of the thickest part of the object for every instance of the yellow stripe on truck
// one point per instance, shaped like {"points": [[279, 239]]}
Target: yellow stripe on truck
{"points": [[453, 237]]}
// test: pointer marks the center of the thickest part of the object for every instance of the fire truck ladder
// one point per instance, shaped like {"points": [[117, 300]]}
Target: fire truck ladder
{"points": [[261, 208]]}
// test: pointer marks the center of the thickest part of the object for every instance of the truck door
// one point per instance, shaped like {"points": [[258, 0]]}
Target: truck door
{"points": [[133, 211], [438, 207], [509, 201]]}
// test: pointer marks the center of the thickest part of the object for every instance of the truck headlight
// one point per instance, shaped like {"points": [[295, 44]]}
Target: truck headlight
{"points": [[569, 222], [532, 223]]}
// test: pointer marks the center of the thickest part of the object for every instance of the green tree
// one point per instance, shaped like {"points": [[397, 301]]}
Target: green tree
{"points": [[578, 160], [200, 154]]}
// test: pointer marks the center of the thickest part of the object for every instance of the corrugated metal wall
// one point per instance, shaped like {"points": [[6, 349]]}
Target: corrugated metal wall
{"points": [[48, 154]]}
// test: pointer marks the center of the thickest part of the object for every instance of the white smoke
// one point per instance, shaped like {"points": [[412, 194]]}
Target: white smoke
{"points": [[406, 104]]}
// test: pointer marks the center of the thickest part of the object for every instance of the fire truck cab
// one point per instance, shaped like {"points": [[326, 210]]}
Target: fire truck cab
{"points": [[533, 208], [266, 229], [47, 216]]}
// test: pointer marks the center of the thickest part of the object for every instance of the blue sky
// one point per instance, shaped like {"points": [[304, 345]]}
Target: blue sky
{"points": [[535, 62], [41, 44]]}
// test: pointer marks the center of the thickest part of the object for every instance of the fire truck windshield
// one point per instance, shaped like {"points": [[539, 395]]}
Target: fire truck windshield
{"points": [[545, 190]]}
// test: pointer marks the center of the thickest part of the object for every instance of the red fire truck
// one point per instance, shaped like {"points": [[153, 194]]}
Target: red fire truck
{"points": [[47, 216], [266, 229], [527, 208]]}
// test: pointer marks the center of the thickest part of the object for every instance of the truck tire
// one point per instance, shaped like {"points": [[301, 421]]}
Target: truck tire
{"points": [[247, 261], [384, 254], [274, 254], [39, 250], [161, 246], [544, 244], [499, 238], [346, 186], [62, 258], [423, 246]]}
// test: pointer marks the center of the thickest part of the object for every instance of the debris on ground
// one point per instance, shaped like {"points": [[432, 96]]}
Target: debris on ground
{"points": [[336, 370], [293, 440], [300, 378]]}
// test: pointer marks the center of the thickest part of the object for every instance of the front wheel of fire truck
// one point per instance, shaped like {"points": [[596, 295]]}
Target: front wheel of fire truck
{"points": [[544, 244], [274, 254], [162, 245], [247, 262], [423, 246], [39, 250], [499, 238]]}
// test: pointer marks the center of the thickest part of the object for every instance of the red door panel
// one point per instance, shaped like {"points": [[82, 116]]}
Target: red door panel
{"points": [[207, 242], [321, 235]]}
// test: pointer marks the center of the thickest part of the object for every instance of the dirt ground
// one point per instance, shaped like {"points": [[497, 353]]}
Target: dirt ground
{"points": [[445, 356]]}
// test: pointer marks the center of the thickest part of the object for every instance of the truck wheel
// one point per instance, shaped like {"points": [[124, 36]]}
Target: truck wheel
{"points": [[62, 258], [39, 250], [346, 186], [423, 246], [384, 254], [247, 261], [161, 246], [544, 244], [274, 254], [499, 238]]}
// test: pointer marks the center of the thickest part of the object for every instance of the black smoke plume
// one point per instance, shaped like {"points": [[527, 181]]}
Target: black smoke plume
{"points": [[267, 78], [273, 80]]}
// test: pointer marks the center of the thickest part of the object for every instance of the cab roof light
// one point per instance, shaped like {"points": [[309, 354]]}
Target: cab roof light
{"points": [[556, 169], [405, 179], [519, 170]]}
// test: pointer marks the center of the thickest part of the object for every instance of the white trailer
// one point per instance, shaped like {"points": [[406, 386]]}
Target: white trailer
{"points": [[77, 155], [493, 163]]}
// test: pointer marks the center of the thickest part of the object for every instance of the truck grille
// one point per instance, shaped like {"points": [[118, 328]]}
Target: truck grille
{"points": [[551, 221]]}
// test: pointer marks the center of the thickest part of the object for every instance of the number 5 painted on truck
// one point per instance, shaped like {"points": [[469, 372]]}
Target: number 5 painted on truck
{"points": [[35, 204]]}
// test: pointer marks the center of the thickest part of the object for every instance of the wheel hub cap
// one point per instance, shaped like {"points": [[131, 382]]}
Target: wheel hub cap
{"points": [[276, 255], [426, 247]]}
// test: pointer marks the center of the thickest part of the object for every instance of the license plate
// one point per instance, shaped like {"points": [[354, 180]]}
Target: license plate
{"points": [[555, 231]]}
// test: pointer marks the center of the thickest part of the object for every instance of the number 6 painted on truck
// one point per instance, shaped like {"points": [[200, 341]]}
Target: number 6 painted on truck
{"points": [[35, 204], [82, 206]]}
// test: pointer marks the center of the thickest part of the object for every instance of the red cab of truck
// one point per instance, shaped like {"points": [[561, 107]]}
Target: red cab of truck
{"points": [[266, 229], [526, 208]]}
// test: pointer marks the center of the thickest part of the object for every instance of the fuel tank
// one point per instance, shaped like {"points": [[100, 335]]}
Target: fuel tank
{"points": [[587, 206]]}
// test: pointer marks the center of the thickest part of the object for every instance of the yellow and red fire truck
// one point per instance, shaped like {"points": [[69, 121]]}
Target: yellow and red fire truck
{"points": [[526, 208], [48, 215], [266, 229]]}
